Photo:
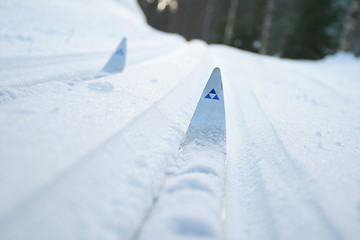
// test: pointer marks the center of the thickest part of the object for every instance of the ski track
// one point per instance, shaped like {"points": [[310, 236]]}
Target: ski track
{"points": [[16, 63], [178, 170], [46, 189], [266, 186], [188, 175], [83, 160], [296, 170], [178, 81], [46, 68], [265, 171], [194, 173], [259, 191], [331, 100], [62, 69]]}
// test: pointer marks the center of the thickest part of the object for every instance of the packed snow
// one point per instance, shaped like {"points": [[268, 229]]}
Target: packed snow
{"points": [[98, 158]]}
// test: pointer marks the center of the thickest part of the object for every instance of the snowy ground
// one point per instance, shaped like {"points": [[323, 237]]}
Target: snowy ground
{"points": [[85, 158]]}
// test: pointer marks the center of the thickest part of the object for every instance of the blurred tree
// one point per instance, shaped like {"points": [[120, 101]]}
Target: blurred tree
{"points": [[267, 25], [315, 30], [157, 16], [207, 21], [351, 27], [287, 28], [248, 25], [231, 17], [218, 21], [191, 15], [189, 18], [357, 39]]}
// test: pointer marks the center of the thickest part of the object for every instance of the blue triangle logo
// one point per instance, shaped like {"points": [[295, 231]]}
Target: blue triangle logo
{"points": [[120, 52], [208, 96], [216, 97], [213, 91]]}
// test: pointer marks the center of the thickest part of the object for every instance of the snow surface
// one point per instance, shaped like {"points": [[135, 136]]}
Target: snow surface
{"points": [[86, 158]]}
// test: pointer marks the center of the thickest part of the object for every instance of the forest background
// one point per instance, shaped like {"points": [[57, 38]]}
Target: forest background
{"points": [[297, 29]]}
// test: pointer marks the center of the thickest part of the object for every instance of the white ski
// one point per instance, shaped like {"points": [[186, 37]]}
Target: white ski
{"points": [[208, 121], [116, 63], [195, 181]]}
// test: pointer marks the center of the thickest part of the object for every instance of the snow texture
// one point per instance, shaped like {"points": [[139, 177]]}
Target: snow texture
{"points": [[98, 158]]}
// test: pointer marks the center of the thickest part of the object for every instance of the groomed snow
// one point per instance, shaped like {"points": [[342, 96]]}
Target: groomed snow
{"points": [[86, 158]]}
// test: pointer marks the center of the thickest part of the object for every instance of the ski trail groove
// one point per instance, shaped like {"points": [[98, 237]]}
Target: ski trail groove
{"points": [[41, 191], [148, 213], [42, 65], [262, 169], [245, 177], [224, 200], [296, 170], [168, 179], [61, 73], [181, 169]]}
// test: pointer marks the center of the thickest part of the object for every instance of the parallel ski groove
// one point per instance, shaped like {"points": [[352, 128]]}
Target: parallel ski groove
{"points": [[179, 162], [279, 171], [224, 200], [157, 196], [244, 171], [40, 192], [300, 173], [77, 166], [7, 64], [150, 210], [28, 63]]}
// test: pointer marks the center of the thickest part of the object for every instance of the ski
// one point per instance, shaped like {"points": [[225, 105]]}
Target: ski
{"points": [[208, 122], [116, 62], [195, 180]]}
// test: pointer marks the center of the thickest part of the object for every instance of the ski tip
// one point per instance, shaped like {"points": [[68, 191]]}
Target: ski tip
{"points": [[116, 63], [216, 73], [208, 121], [122, 44], [214, 84], [216, 70], [123, 41]]}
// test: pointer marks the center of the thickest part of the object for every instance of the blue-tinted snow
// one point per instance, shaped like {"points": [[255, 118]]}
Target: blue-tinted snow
{"points": [[86, 158]]}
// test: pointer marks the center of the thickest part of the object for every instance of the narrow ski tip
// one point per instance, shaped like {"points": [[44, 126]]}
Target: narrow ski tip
{"points": [[215, 72], [116, 63], [216, 69]]}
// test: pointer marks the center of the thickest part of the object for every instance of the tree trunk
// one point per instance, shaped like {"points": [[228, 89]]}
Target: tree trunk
{"points": [[207, 21], [265, 36], [230, 21], [350, 26], [287, 27]]}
